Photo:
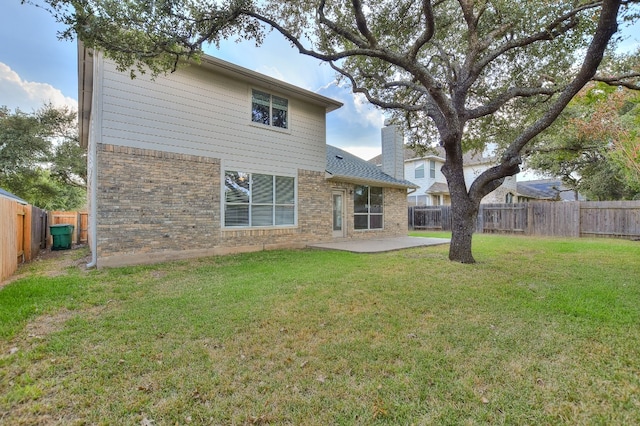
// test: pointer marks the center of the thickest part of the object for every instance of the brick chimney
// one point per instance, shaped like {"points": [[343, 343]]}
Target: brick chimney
{"points": [[392, 150]]}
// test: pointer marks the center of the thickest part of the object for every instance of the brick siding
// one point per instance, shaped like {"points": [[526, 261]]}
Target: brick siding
{"points": [[155, 205]]}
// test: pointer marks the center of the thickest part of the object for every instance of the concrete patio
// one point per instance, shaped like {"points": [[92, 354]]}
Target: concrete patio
{"points": [[381, 245]]}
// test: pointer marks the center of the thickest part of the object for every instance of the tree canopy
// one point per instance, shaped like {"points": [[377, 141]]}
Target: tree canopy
{"points": [[594, 147], [41, 159], [460, 73]]}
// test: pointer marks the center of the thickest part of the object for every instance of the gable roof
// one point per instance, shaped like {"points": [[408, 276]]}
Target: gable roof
{"points": [[348, 168], [7, 194], [438, 188], [85, 86]]}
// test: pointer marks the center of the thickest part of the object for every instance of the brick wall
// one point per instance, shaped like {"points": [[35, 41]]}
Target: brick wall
{"points": [[155, 206], [150, 201]]}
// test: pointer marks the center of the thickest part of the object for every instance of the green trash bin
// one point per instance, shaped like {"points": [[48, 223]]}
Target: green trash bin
{"points": [[62, 236]]}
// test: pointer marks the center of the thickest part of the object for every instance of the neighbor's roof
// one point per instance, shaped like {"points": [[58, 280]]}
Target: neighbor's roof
{"points": [[85, 85], [7, 194], [546, 189], [438, 188], [348, 168]]}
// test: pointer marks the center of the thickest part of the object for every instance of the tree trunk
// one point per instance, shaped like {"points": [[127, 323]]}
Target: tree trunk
{"points": [[464, 218], [464, 208]]}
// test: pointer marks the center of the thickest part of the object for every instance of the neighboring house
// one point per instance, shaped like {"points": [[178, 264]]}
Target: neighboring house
{"points": [[425, 172], [546, 190], [215, 159]]}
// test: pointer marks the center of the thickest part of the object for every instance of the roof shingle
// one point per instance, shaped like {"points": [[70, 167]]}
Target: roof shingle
{"points": [[347, 167]]}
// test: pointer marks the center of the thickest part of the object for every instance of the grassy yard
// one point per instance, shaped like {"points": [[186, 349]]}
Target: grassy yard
{"points": [[539, 331]]}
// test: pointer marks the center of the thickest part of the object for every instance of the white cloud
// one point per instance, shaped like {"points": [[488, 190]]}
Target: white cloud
{"points": [[29, 95], [364, 152], [368, 112]]}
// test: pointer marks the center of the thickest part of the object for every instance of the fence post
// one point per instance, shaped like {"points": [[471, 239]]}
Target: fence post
{"points": [[27, 233]]}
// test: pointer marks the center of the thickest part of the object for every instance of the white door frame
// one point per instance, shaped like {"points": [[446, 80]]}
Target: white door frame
{"points": [[338, 213]]}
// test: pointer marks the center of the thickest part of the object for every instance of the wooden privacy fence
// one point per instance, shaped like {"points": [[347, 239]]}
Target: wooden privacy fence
{"points": [[619, 219], [24, 231], [22, 234], [79, 220]]}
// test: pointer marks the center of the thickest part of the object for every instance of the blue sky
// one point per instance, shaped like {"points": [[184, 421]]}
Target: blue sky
{"points": [[36, 67]]}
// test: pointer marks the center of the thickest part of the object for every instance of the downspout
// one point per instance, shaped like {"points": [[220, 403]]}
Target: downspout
{"points": [[88, 74], [93, 200]]}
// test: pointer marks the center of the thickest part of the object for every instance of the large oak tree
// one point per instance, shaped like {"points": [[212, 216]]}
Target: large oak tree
{"points": [[457, 72]]}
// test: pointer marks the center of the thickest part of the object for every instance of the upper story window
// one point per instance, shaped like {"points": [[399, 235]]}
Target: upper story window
{"points": [[432, 169], [419, 171], [269, 109], [508, 198]]}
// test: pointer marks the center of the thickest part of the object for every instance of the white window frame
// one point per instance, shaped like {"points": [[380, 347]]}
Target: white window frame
{"points": [[509, 198], [368, 213], [252, 204], [271, 109], [432, 169], [418, 172]]}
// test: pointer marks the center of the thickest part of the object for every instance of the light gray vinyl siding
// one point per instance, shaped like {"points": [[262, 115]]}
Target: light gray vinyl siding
{"points": [[197, 112]]}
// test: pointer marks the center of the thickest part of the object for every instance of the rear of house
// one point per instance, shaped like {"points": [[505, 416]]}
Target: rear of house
{"points": [[216, 159]]}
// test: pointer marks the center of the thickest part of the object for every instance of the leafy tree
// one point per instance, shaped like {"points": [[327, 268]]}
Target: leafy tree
{"points": [[594, 146], [41, 159], [460, 73]]}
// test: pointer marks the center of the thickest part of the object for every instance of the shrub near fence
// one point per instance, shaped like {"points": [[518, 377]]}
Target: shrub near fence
{"points": [[619, 219]]}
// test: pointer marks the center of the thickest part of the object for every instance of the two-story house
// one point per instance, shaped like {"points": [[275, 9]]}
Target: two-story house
{"points": [[215, 158], [425, 172]]}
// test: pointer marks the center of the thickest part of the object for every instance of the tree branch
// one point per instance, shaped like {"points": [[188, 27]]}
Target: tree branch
{"points": [[343, 32], [620, 80], [372, 99], [511, 160], [400, 60], [506, 96], [556, 28], [427, 34], [361, 22]]}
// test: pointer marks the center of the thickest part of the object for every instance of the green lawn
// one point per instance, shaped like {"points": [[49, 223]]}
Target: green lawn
{"points": [[539, 331]]}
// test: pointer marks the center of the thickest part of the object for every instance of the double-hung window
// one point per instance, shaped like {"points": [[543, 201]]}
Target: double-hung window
{"points": [[254, 200], [432, 169], [419, 170], [269, 109], [367, 203]]}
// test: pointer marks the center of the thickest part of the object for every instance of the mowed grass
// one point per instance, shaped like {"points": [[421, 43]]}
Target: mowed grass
{"points": [[539, 331]]}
